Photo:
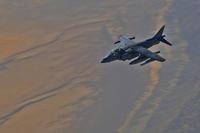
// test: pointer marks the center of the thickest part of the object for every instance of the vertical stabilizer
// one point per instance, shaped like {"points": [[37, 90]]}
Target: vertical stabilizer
{"points": [[160, 32], [160, 37]]}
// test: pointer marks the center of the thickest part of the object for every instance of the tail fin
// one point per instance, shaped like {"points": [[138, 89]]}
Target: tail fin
{"points": [[160, 32], [159, 36]]}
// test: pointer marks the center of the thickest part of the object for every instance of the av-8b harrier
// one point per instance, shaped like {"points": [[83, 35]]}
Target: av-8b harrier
{"points": [[138, 51]]}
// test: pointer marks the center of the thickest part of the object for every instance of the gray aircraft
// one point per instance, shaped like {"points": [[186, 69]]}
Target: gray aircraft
{"points": [[138, 51]]}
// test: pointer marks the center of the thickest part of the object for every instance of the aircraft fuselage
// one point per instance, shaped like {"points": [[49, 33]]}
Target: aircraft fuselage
{"points": [[129, 51]]}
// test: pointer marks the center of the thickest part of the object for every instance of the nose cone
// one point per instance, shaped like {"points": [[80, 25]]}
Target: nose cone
{"points": [[104, 60], [108, 58]]}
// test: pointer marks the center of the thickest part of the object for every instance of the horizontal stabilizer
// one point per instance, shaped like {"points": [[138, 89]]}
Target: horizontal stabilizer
{"points": [[165, 41]]}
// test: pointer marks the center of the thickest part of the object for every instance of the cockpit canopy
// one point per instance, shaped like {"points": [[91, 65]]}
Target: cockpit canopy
{"points": [[117, 52]]}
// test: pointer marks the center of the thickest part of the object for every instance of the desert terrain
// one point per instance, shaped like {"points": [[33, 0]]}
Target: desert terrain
{"points": [[52, 81]]}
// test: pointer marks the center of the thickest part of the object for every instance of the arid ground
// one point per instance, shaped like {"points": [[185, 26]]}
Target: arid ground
{"points": [[52, 81]]}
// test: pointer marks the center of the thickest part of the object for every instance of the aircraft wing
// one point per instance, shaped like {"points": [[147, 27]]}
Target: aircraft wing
{"points": [[131, 38], [145, 52]]}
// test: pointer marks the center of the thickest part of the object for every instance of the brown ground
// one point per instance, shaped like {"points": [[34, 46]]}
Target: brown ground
{"points": [[51, 80]]}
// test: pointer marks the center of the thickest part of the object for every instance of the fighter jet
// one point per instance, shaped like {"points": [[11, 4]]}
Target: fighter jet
{"points": [[128, 49]]}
